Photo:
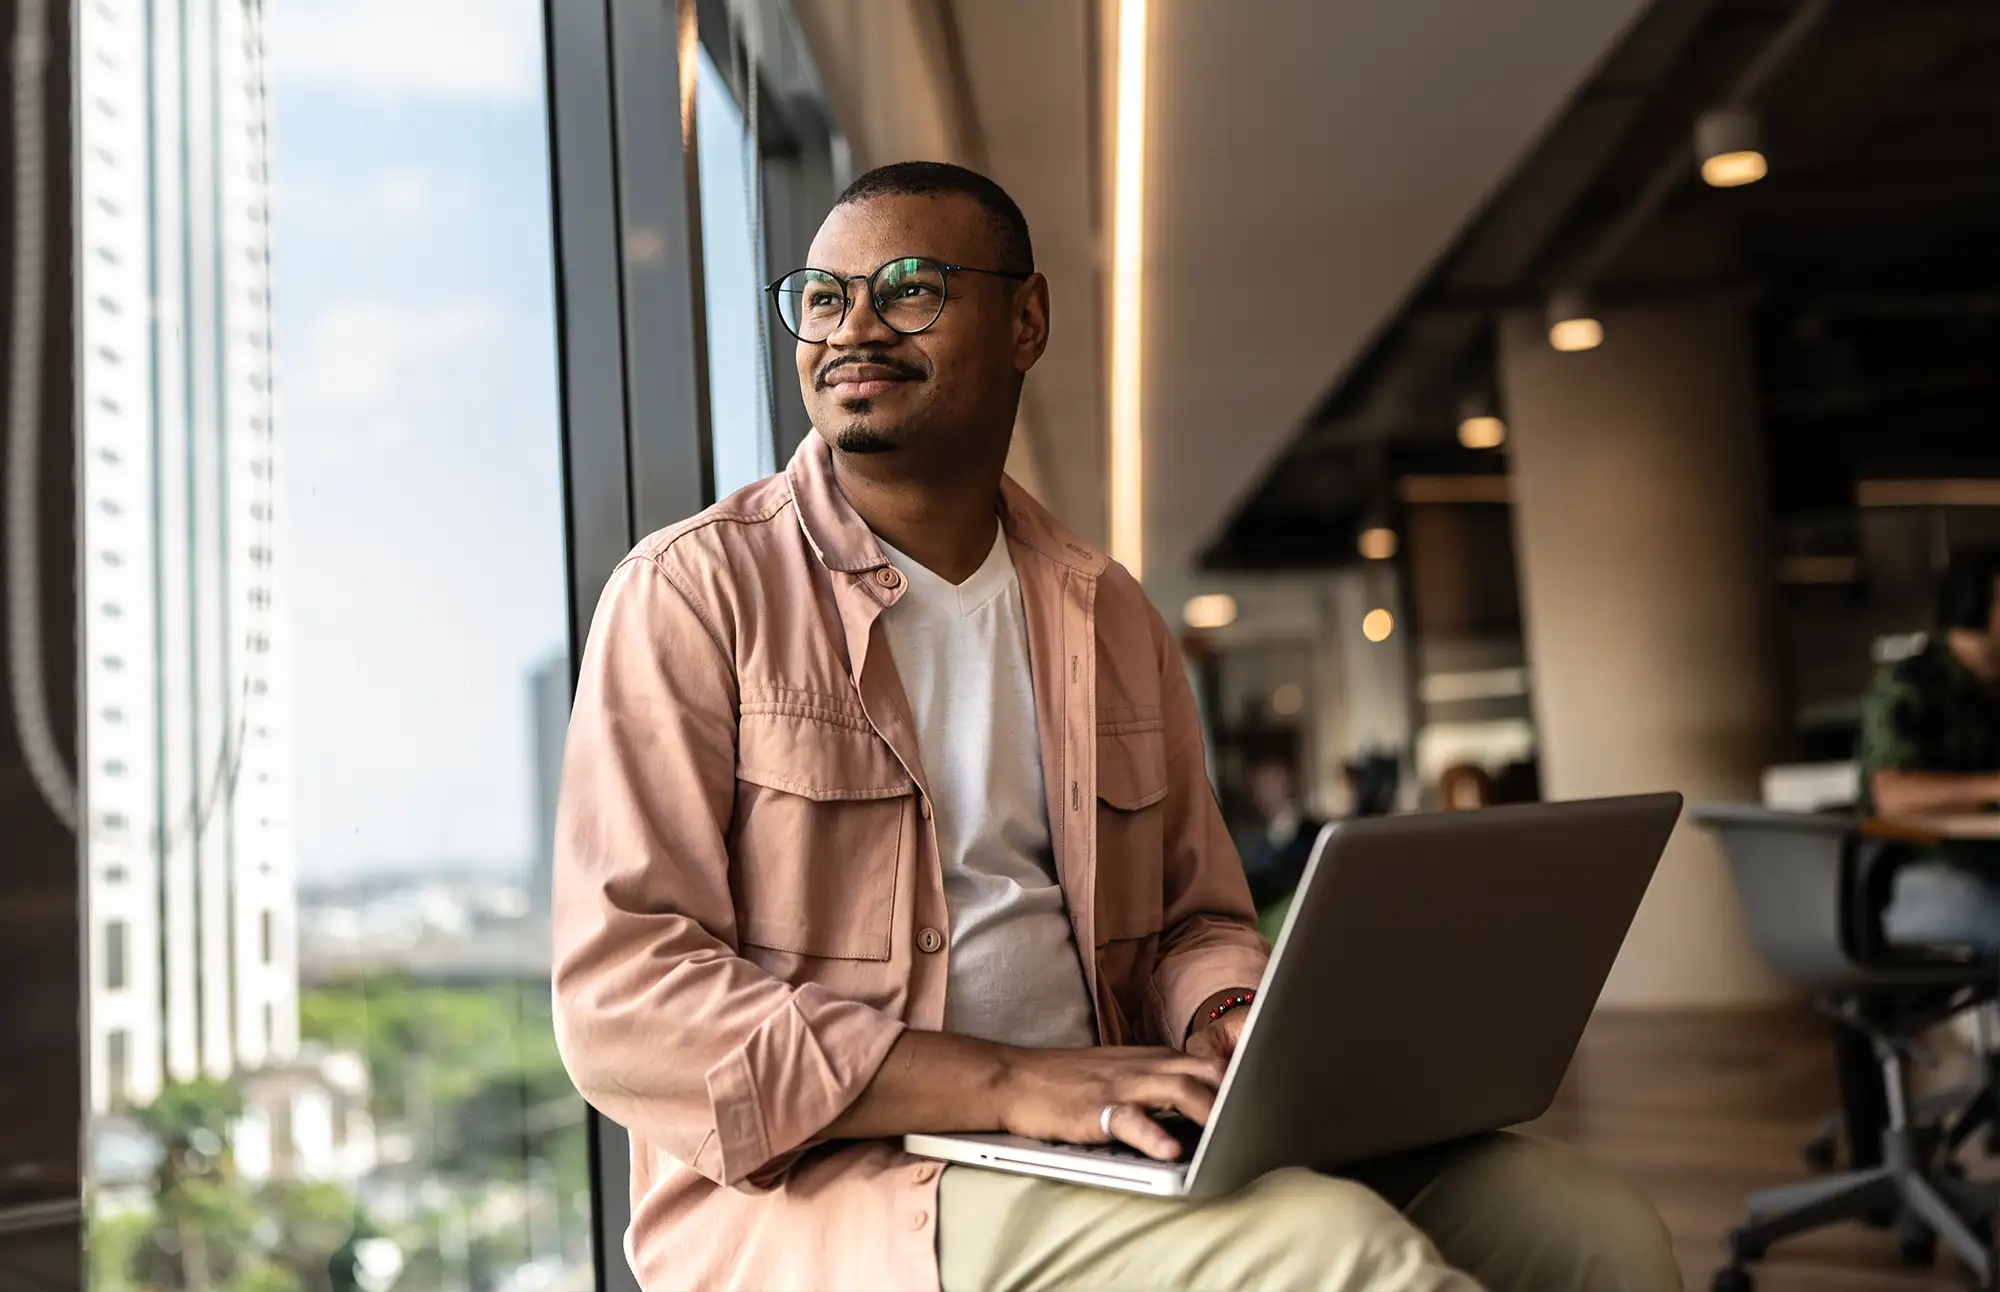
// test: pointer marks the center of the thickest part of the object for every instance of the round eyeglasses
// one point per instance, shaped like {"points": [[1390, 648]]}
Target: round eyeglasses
{"points": [[908, 294]]}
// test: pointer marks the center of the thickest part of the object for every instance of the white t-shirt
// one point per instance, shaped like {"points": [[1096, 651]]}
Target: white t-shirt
{"points": [[962, 653]]}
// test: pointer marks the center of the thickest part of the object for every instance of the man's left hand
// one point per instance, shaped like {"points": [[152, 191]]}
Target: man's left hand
{"points": [[1217, 1040]]}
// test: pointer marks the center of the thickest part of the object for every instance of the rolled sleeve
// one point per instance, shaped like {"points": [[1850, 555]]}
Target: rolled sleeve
{"points": [[1182, 981], [661, 1024], [798, 1071]]}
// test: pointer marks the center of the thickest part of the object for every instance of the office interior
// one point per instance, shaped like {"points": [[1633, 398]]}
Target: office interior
{"points": [[1502, 403]]}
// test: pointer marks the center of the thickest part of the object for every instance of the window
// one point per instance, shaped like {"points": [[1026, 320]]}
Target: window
{"points": [[114, 955], [308, 671], [733, 274]]}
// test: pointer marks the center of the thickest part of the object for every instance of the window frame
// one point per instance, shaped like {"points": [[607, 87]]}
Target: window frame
{"points": [[631, 318]]}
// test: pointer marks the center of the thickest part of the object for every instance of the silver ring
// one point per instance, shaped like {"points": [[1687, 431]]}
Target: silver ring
{"points": [[1104, 1119]]}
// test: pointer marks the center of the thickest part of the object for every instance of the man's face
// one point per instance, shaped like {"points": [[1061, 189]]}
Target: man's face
{"points": [[946, 391]]}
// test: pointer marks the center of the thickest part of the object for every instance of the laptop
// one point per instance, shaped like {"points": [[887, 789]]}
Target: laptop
{"points": [[1431, 981]]}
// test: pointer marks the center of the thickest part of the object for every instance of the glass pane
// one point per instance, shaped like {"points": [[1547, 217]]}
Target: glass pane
{"points": [[732, 267], [328, 671]]}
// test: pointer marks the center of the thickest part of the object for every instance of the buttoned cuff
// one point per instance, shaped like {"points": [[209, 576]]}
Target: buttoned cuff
{"points": [[797, 1073]]}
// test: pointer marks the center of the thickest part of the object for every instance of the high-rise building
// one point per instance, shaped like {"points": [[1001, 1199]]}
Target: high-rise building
{"points": [[190, 890]]}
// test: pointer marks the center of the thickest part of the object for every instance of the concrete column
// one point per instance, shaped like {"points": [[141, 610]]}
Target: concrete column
{"points": [[1640, 526]]}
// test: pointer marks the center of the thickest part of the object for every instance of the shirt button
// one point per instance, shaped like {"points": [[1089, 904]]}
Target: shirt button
{"points": [[929, 940], [924, 808], [918, 1219], [888, 578], [924, 1174]]}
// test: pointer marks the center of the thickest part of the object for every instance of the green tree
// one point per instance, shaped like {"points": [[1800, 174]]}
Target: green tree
{"points": [[205, 1218], [471, 1075], [206, 1230]]}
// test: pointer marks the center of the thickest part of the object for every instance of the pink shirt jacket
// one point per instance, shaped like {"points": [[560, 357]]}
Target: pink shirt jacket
{"points": [[749, 907]]}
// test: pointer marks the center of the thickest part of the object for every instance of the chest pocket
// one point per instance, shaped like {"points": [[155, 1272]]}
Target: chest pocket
{"points": [[1131, 822], [824, 816]]}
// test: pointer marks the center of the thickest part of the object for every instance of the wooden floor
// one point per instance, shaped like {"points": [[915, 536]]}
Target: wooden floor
{"points": [[1699, 1111]]}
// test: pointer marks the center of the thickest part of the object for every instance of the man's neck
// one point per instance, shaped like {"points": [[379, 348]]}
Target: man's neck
{"points": [[945, 525], [1977, 652]]}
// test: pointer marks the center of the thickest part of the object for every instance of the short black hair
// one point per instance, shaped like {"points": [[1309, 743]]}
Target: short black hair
{"points": [[1965, 594], [942, 179]]}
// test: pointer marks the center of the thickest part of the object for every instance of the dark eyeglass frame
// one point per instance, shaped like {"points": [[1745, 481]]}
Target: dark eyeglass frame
{"points": [[945, 272]]}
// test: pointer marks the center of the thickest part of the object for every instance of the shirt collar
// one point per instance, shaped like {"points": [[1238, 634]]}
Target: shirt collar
{"points": [[842, 540]]}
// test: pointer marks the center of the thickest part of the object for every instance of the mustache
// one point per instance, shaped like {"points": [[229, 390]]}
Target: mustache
{"points": [[901, 367]]}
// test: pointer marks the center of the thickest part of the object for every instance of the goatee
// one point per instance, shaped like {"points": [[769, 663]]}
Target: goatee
{"points": [[860, 439]]}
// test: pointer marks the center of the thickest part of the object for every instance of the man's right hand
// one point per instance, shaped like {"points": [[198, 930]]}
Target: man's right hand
{"points": [[1062, 1094], [939, 1083]]}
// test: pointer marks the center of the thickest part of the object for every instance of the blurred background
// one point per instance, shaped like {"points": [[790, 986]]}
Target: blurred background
{"points": [[1503, 402]]}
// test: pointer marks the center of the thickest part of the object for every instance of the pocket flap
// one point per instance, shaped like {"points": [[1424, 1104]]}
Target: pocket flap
{"points": [[817, 747], [1131, 764]]}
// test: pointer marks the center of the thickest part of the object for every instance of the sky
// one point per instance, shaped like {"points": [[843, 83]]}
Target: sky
{"points": [[418, 417]]}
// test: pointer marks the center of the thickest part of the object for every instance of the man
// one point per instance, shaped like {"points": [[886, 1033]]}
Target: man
{"points": [[1930, 743], [884, 810], [1276, 857]]}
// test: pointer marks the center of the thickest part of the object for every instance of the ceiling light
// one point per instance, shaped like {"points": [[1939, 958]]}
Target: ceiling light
{"points": [[1288, 699], [1377, 624], [1377, 543], [1486, 432], [1730, 147], [1479, 422], [1210, 610], [1573, 322]]}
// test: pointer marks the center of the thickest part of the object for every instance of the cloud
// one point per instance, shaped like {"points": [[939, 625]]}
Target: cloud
{"points": [[456, 49], [359, 354], [383, 370], [391, 202]]}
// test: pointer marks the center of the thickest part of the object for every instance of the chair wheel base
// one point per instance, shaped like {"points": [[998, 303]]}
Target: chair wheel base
{"points": [[1732, 1280], [1742, 1250]]}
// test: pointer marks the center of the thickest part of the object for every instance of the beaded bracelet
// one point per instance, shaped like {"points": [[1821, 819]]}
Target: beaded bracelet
{"points": [[1233, 1000]]}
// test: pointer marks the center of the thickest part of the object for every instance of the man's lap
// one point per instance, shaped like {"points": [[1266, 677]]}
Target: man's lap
{"points": [[1500, 1212]]}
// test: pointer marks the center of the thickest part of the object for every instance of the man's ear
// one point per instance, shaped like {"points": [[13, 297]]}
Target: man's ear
{"points": [[1031, 322]]}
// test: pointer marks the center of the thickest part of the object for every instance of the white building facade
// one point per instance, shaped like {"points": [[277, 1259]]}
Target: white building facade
{"points": [[191, 891]]}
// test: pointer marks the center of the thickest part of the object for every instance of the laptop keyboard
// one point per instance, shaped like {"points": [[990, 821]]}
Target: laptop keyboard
{"points": [[1187, 1132]]}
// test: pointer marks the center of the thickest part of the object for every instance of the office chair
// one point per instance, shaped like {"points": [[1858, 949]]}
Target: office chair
{"points": [[1813, 888]]}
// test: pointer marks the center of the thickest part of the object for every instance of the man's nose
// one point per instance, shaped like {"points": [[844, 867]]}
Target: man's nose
{"points": [[862, 326]]}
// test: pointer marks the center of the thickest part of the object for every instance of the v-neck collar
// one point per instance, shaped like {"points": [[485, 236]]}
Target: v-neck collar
{"points": [[985, 583]]}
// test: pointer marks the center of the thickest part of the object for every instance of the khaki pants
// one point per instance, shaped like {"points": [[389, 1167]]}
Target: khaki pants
{"points": [[1501, 1213]]}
